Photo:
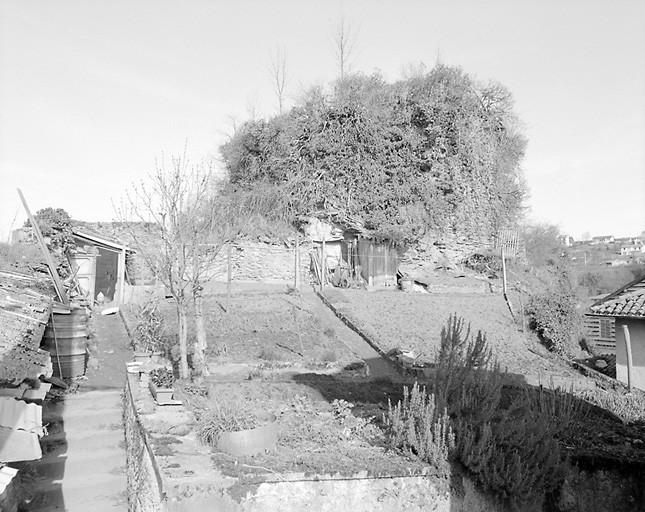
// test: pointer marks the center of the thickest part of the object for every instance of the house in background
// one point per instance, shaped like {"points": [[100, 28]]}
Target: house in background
{"points": [[626, 307], [605, 239], [566, 240], [626, 250]]}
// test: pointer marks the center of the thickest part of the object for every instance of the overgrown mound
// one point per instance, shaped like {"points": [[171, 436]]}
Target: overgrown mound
{"points": [[436, 150]]}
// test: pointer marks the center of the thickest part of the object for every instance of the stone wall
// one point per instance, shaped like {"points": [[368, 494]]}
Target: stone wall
{"points": [[144, 490], [170, 471], [257, 261]]}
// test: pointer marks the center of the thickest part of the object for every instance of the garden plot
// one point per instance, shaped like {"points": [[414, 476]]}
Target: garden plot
{"points": [[413, 322], [274, 328], [264, 335]]}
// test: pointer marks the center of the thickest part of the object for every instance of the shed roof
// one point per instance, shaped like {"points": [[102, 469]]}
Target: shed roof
{"points": [[23, 315], [99, 240]]}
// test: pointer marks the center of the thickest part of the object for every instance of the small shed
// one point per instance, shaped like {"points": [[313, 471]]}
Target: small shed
{"points": [[108, 266], [347, 244], [626, 306]]}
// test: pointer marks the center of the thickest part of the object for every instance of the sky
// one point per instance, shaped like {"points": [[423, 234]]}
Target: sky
{"points": [[93, 93]]}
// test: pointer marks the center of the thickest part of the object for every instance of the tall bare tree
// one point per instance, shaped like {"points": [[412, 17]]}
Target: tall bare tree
{"points": [[343, 42], [278, 72], [190, 224]]}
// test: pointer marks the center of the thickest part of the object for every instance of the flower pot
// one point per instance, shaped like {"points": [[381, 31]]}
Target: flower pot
{"points": [[251, 441], [156, 357], [161, 395]]}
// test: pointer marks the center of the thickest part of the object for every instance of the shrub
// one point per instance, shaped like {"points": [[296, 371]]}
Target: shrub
{"points": [[628, 407], [149, 327], [555, 317], [509, 443], [223, 417], [162, 377], [417, 426]]}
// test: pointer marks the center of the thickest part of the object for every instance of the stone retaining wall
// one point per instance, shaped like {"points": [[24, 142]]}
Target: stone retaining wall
{"points": [[144, 484], [170, 471], [257, 261]]}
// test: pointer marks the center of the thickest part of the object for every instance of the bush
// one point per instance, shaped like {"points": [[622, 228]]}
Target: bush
{"points": [[555, 317], [222, 417], [148, 331], [162, 377], [509, 443], [419, 427], [628, 407]]}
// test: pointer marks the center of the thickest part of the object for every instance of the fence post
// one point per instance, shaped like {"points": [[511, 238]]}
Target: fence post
{"points": [[296, 277], [322, 264], [228, 280]]}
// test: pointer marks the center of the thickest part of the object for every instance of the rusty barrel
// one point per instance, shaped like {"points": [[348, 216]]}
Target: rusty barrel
{"points": [[65, 339]]}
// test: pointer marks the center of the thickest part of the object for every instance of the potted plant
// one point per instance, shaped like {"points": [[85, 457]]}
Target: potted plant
{"points": [[148, 333], [237, 428], [160, 383]]}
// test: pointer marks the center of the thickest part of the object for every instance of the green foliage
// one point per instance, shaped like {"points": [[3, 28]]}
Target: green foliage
{"points": [[628, 407], [543, 248], [555, 316], [148, 331], [511, 445], [56, 228], [223, 416], [56, 225], [162, 377], [433, 151], [417, 426]]}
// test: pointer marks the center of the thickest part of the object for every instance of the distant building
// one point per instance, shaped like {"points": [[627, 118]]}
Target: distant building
{"points": [[566, 240], [607, 239], [629, 249]]}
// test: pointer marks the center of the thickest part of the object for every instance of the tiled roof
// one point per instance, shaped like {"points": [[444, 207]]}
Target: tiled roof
{"points": [[23, 315], [629, 305]]}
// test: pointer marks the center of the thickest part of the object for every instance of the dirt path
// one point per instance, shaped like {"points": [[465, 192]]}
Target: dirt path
{"points": [[83, 463]]}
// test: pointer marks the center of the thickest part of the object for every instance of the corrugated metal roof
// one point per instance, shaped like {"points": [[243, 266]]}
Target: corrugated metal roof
{"points": [[20, 415], [17, 445], [23, 315], [21, 424], [628, 305]]}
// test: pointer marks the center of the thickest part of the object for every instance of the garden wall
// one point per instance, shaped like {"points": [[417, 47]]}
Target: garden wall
{"points": [[170, 471], [258, 261]]}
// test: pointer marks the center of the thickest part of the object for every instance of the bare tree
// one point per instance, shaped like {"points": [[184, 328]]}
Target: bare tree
{"points": [[252, 106], [343, 42], [190, 224], [278, 72]]}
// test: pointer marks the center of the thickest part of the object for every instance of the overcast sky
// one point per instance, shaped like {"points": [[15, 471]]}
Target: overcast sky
{"points": [[92, 92]]}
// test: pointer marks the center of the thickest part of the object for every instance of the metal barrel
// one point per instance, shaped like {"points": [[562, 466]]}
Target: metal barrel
{"points": [[65, 338]]}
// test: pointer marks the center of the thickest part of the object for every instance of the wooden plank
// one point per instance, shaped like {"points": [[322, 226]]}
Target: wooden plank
{"points": [[58, 284]]}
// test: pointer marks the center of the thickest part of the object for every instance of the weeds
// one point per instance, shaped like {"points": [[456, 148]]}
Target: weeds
{"points": [[223, 417], [149, 327], [510, 444], [628, 407], [418, 427]]}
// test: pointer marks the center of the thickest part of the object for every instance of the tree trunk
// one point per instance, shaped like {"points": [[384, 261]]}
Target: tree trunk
{"points": [[183, 341], [199, 356]]}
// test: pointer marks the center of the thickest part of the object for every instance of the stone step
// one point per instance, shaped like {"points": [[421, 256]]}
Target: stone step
{"points": [[76, 470], [104, 496], [91, 441]]}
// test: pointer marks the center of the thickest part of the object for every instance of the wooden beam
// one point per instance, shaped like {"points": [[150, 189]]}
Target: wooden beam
{"points": [[58, 284]]}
